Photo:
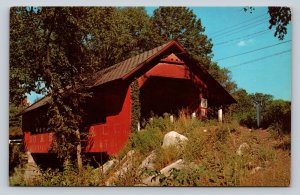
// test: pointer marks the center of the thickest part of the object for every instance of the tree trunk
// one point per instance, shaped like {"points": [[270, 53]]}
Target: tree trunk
{"points": [[79, 159]]}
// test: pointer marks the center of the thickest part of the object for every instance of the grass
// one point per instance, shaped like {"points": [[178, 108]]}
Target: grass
{"points": [[210, 156]]}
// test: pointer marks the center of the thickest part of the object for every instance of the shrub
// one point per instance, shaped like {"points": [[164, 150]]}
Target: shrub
{"points": [[249, 120], [278, 115], [162, 123], [144, 141]]}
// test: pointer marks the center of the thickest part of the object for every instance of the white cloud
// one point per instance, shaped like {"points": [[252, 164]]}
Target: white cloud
{"points": [[241, 43]]}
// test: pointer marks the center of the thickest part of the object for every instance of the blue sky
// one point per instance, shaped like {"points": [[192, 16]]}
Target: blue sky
{"points": [[234, 31]]}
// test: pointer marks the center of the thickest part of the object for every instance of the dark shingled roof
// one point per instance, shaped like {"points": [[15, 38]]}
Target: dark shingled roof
{"points": [[121, 69]]}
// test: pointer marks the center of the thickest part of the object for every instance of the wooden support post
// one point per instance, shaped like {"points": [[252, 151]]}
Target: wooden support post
{"points": [[171, 118], [220, 115]]}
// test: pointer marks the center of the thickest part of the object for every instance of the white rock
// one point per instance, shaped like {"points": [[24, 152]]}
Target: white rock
{"points": [[176, 165], [126, 164], [148, 162], [242, 148], [205, 130], [173, 138], [154, 181], [108, 165], [254, 170]]}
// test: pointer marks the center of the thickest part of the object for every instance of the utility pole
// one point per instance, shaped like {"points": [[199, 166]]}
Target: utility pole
{"points": [[258, 104]]}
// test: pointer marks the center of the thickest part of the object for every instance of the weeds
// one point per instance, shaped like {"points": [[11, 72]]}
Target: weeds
{"points": [[210, 155]]}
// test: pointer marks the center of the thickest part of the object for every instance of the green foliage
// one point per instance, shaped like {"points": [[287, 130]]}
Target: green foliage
{"points": [[181, 23], [244, 104], [274, 113], [223, 76], [135, 105], [14, 121], [88, 176], [279, 116], [17, 179], [280, 17], [193, 150], [166, 156], [143, 141], [160, 122], [118, 33], [16, 157], [184, 177]]}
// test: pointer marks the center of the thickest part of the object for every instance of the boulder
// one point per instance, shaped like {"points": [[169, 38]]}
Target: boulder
{"points": [[173, 138], [242, 149]]}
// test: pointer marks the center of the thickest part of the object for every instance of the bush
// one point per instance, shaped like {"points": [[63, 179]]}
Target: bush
{"points": [[249, 120], [279, 116], [276, 114], [144, 141], [162, 123]]}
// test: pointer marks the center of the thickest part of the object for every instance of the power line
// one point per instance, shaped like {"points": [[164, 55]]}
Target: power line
{"points": [[253, 50], [236, 30], [252, 35], [238, 24], [258, 59]]}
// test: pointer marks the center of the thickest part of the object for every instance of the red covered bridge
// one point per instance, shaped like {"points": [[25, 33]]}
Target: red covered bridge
{"points": [[169, 80]]}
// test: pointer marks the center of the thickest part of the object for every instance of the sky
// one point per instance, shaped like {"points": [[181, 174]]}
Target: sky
{"points": [[233, 32], [266, 68]]}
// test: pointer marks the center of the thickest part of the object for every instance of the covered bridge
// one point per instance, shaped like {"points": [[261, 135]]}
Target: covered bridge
{"points": [[169, 80]]}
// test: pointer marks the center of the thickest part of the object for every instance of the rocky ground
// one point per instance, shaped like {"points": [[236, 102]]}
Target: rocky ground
{"points": [[206, 156]]}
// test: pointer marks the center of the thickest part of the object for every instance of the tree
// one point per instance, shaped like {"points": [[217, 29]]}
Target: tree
{"points": [[280, 17], [60, 47], [181, 23], [52, 52], [15, 122], [278, 114], [222, 75], [119, 33], [244, 102]]}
